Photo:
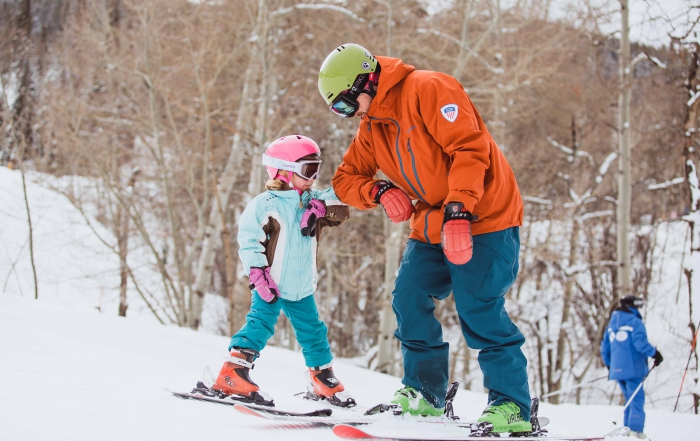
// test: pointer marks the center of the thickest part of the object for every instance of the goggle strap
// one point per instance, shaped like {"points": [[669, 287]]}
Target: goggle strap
{"points": [[295, 167]]}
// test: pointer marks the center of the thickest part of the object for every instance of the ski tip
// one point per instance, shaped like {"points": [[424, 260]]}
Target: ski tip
{"points": [[347, 431], [247, 410]]}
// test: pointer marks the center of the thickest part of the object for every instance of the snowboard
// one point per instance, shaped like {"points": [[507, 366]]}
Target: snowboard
{"points": [[327, 419], [448, 432]]}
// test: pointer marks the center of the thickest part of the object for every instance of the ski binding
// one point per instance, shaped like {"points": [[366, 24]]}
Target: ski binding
{"points": [[203, 393]]}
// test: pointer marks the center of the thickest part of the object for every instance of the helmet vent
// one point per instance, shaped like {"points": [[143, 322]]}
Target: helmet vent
{"points": [[329, 95]]}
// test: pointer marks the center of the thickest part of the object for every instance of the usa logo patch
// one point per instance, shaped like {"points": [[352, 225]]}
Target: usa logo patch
{"points": [[450, 112]]}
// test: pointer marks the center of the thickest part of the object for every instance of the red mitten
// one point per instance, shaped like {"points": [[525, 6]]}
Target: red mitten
{"points": [[456, 234], [396, 203]]}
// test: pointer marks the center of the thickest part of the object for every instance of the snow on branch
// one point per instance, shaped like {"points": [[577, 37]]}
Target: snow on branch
{"points": [[666, 184], [535, 200], [693, 184], [645, 56], [579, 200], [693, 98], [496, 70], [581, 267], [336, 8], [570, 152], [605, 166], [594, 214]]}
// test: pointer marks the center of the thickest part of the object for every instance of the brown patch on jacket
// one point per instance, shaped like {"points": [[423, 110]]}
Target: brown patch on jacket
{"points": [[335, 215]]}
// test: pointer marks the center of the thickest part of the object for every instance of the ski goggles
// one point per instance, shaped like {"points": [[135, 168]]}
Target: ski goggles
{"points": [[345, 105], [307, 169], [638, 303]]}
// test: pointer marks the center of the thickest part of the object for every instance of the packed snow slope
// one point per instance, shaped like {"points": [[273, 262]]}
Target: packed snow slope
{"points": [[70, 369], [77, 374]]}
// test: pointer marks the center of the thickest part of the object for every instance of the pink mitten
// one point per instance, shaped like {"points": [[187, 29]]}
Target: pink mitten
{"points": [[261, 281], [315, 209]]}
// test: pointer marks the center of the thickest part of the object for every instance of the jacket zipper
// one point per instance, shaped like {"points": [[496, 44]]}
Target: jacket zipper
{"points": [[413, 164], [398, 155], [425, 223]]}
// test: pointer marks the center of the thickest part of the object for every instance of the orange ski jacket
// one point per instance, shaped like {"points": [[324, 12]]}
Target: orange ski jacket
{"points": [[423, 132]]}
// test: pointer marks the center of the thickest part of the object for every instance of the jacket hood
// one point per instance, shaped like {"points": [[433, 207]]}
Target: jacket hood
{"points": [[629, 310], [393, 71]]}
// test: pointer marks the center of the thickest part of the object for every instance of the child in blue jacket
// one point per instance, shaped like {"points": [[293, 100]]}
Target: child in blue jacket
{"points": [[277, 236], [625, 350]]}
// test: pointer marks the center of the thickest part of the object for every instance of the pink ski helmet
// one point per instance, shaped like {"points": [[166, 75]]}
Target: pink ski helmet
{"points": [[286, 151]]}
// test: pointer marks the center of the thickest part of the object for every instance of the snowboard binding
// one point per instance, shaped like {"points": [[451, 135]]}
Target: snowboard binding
{"points": [[486, 429], [396, 409]]}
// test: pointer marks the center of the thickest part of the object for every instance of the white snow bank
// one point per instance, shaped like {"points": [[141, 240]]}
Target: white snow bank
{"points": [[70, 374]]}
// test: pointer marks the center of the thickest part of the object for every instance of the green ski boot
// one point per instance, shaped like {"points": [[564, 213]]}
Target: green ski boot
{"points": [[412, 402], [505, 418]]}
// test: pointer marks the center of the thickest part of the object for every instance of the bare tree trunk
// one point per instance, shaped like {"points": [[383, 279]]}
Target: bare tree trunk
{"points": [[122, 232], [689, 277], [29, 219], [256, 178], [466, 366], [498, 125], [389, 25], [387, 322], [555, 382], [393, 234], [625, 178], [214, 227], [556, 375], [693, 218], [230, 260], [20, 129], [122, 228], [540, 361], [461, 60]]}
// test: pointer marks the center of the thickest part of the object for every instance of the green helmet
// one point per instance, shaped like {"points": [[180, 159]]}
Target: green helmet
{"points": [[341, 67]]}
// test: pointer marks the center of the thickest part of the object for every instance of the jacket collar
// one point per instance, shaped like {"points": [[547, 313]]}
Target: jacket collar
{"points": [[630, 310], [291, 195], [393, 72]]}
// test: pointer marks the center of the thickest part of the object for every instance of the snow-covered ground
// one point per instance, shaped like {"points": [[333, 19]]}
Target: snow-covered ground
{"points": [[70, 369], [77, 374]]}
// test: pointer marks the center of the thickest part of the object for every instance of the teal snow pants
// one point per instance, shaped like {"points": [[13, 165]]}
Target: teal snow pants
{"points": [[479, 287], [310, 331]]}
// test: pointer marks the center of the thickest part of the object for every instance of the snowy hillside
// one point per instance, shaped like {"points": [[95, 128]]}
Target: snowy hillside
{"points": [[70, 374], [70, 369]]}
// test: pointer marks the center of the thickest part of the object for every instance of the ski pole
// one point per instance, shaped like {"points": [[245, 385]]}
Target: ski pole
{"points": [[692, 347], [629, 401], [561, 391]]}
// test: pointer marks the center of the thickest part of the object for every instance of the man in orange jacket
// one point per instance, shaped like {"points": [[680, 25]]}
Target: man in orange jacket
{"points": [[423, 132]]}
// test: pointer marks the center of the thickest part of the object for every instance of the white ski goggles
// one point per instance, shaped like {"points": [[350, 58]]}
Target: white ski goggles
{"points": [[307, 169]]}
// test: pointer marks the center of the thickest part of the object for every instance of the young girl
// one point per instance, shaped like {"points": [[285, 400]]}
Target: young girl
{"points": [[278, 234]]}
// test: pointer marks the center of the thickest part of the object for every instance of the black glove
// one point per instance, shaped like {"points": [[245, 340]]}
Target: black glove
{"points": [[657, 358]]}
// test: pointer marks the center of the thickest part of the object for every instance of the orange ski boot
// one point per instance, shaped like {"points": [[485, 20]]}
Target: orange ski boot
{"points": [[323, 385], [234, 379]]}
